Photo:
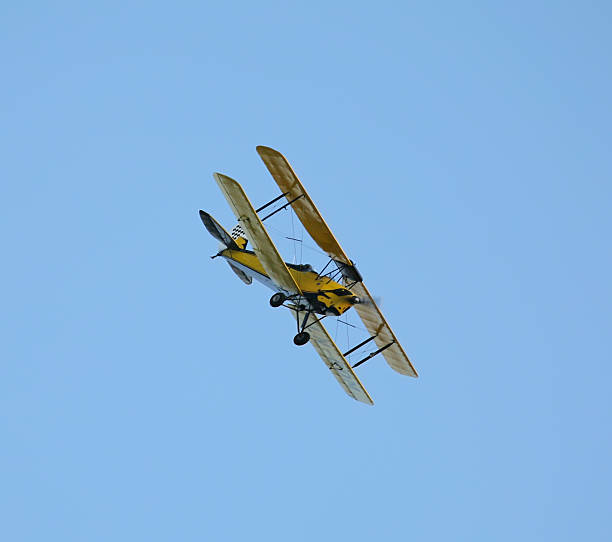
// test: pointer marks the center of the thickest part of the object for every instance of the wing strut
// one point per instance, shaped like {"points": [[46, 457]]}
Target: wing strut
{"points": [[322, 270], [271, 202], [283, 207], [359, 345], [370, 356]]}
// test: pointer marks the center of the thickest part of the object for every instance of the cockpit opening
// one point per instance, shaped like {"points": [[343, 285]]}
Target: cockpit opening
{"points": [[301, 267]]}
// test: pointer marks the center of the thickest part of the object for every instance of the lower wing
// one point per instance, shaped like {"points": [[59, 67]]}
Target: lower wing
{"points": [[378, 327], [335, 361]]}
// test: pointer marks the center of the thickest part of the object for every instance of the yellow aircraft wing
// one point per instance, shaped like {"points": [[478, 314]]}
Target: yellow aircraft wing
{"points": [[335, 361], [314, 224], [378, 327], [264, 248], [304, 207]]}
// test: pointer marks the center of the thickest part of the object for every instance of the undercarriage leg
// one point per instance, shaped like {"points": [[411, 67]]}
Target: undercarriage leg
{"points": [[302, 336]]}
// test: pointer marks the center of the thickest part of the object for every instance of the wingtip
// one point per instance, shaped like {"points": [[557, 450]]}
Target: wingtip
{"points": [[220, 177], [224, 180], [262, 149]]}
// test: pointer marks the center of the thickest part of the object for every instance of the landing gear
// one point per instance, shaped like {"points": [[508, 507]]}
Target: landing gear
{"points": [[301, 338], [277, 299], [297, 305]]}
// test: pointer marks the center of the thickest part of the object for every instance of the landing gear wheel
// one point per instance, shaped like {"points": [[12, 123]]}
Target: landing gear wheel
{"points": [[277, 299], [301, 338]]}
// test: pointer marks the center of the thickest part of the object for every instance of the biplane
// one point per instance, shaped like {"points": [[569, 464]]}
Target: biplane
{"points": [[310, 295]]}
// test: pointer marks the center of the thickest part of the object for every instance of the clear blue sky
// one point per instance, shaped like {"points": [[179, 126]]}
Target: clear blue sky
{"points": [[461, 154]]}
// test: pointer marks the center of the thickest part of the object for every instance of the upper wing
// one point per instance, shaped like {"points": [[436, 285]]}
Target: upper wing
{"points": [[308, 214], [304, 208], [335, 361], [264, 248], [377, 325]]}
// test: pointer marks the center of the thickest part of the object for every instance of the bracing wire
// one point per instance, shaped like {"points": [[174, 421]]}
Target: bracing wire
{"points": [[294, 238], [293, 235], [336, 332], [304, 245], [348, 340]]}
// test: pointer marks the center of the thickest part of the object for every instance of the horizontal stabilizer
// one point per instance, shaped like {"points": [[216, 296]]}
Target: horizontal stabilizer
{"points": [[241, 274], [217, 231]]}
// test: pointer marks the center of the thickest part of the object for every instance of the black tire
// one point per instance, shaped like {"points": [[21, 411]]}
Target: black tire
{"points": [[301, 338], [277, 299]]}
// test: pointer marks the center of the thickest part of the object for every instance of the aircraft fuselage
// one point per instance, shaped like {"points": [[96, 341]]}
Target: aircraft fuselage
{"points": [[320, 294]]}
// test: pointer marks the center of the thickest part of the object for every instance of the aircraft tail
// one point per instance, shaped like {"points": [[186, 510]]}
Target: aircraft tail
{"points": [[218, 231], [239, 236], [236, 240]]}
